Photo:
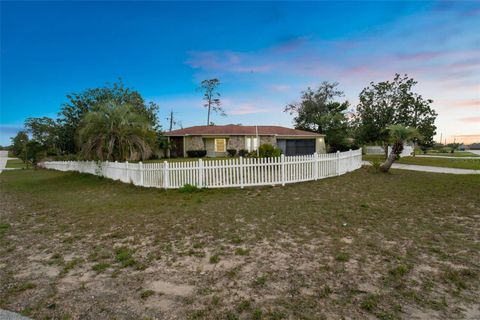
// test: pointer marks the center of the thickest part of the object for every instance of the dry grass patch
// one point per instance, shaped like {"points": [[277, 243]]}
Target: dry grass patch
{"points": [[363, 245]]}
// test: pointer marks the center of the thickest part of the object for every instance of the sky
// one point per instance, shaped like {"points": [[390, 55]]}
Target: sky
{"points": [[264, 53]]}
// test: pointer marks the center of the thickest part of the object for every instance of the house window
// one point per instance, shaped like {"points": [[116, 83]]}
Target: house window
{"points": [[251, 144], [220, 145]]}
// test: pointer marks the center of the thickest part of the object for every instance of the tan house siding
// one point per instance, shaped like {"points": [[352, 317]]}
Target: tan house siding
{"points": [[236, 142], [194, 143], [268, 140]]}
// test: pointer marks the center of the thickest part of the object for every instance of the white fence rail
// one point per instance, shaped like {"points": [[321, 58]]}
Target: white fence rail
{"points": [[240, 172]]}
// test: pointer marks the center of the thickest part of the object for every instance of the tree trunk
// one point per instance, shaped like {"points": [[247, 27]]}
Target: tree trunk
{"points": [[208, 118], [396, 150]]}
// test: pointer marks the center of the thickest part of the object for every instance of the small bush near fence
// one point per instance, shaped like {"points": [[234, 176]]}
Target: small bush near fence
{"points": [[232, 152], [196, 153], [376, 165], [188, 188], [269, 151], [243, 153]]}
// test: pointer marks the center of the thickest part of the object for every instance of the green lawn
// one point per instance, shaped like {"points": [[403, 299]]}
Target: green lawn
{"points": [[459, 154], [435, 162], [17, 163], [362, 245]]}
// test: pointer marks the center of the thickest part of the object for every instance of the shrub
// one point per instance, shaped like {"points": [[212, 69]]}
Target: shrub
{"points": [[232, 152], [243, 153], [188, 188], [196, 153], [376, 165], [267, 151]]}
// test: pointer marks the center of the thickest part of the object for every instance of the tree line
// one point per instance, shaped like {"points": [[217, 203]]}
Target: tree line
{"points": [[381, 106], [107, 123], [116, 123]]}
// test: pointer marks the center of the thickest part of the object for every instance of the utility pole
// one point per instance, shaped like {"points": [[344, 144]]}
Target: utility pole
{"points": [[171, 120]]}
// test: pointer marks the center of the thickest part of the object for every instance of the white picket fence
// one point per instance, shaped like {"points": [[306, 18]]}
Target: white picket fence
{"points": [[406, 152], [374, 150], [239, 172]]}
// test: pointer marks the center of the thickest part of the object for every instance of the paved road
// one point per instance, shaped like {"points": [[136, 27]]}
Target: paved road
{"points": [[429, 169], [3, 162], [7, 315]]}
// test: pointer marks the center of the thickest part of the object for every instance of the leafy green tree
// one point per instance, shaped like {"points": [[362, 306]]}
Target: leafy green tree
{"points": [[318, 111], [116, 132], [392, 102], [34, 153], [211, 96], [45, 131], [398, 135], [19, 144], [90, 100], [453, 146]]}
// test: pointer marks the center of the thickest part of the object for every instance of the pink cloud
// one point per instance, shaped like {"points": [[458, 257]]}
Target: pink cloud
{"points": [[468, 103], [471, 120], [421, 56]]}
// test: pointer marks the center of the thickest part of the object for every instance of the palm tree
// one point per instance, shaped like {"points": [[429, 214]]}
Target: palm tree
{"points": [[398, 136], [166, 145], [115, 132]]}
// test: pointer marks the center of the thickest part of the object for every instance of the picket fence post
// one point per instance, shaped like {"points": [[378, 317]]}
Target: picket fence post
{"points": [[140, 166], [165, 175], [241, 172], [338, 163], [200, 173], [315, 166], [127, 174], [350, 160], [282, 161]]}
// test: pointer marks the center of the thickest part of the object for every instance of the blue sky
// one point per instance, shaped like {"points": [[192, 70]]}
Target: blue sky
{"points": [[264, 53]]}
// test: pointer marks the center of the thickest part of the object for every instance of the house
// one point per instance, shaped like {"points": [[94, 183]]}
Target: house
{"points": [[216, 140]]}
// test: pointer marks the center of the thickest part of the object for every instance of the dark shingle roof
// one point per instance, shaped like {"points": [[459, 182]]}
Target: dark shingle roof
{"points": [[239, 130]]}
